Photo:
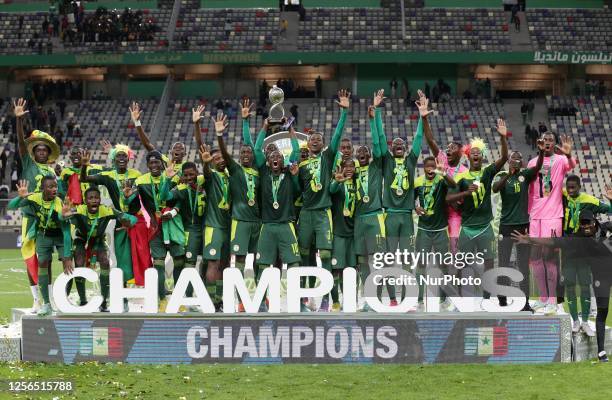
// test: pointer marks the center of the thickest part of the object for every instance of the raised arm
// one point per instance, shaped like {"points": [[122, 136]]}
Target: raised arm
{"points": [[417, 141], [503, 131], [375, 137], [22, 194], [294, 170], [135, 113], [20, 111], [566, 149], [206, 159], [295, 146], [247, 140], [220, 127], [540, 160], [85, 159], [423, 105], [344, 103], [196, 116], [382, 137], [260, 157], [442, 171]]}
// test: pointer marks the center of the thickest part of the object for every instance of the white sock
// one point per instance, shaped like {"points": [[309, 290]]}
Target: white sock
{"points": [[35, 295], [51, 297]]}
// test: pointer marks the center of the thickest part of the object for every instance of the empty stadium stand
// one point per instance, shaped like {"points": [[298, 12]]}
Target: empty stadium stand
{"points": [[571, 30], [229, 30], [590, 129]]}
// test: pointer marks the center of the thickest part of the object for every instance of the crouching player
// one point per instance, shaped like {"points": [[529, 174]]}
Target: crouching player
{"points": [[49, 231], [431, 190], [574, 202], [343, 192], [90, 221]]}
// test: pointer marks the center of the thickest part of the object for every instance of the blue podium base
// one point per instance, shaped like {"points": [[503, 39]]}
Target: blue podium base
{"points": [[298, 338]]}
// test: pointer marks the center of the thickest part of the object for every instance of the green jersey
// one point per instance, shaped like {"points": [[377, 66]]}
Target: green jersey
{"points": [[515, 197], [244, 190], [33, 172], [190, 200], [398, 173], [114, 183], [572, 206], [343, 207], [369, 188], [316, 172], [218, 204], [149, 189], [92, 226], [278, 194], [46, 216], [46, 212], [476, 209], [432, 198]]}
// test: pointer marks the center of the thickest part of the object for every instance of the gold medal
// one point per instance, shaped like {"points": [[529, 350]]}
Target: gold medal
{"points": [[399, 192], [347, 212], [366, 199], [251, 202], [276, 205]]}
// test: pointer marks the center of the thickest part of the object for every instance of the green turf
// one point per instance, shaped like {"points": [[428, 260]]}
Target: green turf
{"points": [[15, 290], [318, 382]]}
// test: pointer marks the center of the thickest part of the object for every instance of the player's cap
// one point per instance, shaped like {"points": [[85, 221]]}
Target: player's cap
{"points": [[587, 216]]}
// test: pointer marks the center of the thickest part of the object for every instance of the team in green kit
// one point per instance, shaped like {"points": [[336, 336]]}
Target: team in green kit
{"points": [[323, 202]]}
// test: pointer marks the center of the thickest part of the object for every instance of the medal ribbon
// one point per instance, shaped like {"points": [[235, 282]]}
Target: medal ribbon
{"points": [[119, 183], [224, 203], [276, 181], [480, 192], [249, 175], [456, 169], [363, 181], [401, 175], [429, 196], [156, 194], [548, 176], [49, 213], [93, 227], [193, 203], [573, 214], [349, 198], [314, 167]]}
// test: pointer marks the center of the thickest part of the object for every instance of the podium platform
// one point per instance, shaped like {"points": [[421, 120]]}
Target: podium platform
{"points": [[364, 338]]}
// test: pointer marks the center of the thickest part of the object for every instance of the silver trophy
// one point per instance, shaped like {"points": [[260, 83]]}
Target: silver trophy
{"points": [[277, 112]]}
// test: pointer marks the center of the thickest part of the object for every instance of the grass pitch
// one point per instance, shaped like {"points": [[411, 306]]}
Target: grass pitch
{"points": [[435, 382]]}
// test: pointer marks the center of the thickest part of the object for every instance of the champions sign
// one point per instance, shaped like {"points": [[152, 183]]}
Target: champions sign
{"points": [[312, 339]]}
